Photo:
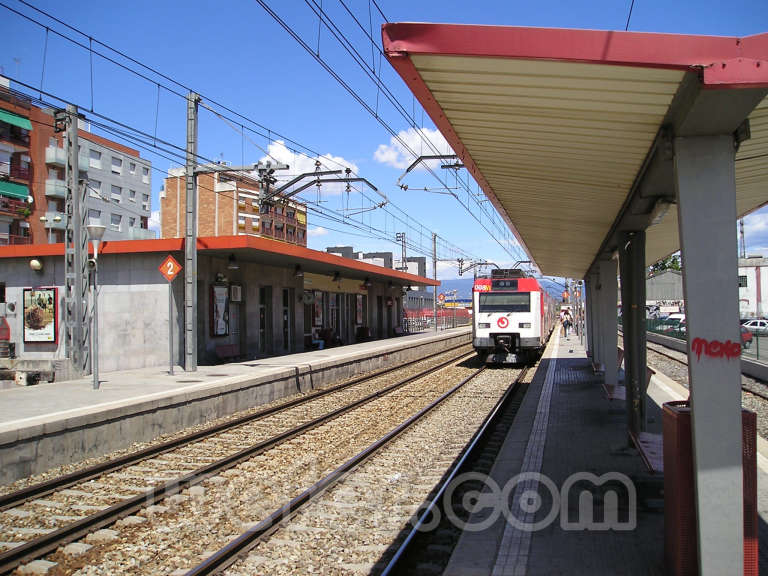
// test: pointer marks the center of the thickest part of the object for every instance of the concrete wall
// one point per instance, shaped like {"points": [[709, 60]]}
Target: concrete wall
{"points": [[133, 309]]}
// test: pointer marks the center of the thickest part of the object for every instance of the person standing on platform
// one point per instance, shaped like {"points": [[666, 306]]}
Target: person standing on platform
{"points": [[567, 321]]}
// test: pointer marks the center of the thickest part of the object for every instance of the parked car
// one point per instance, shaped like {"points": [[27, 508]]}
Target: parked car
{"points": [[746, 338], [673, 324], [757, 326]]}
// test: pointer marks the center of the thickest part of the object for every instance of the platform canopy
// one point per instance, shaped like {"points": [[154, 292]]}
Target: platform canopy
{"points": [[570, 133]]}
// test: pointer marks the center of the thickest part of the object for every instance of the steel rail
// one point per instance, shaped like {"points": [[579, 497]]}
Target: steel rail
{"points": [[17, 498], [49, 542], [477, 438], [230, 553]]}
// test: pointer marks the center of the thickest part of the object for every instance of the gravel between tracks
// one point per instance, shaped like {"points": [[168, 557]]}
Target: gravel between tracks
{"points": [[350, 528], [205, 517]]}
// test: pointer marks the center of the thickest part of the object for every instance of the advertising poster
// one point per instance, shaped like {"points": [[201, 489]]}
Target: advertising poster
{"points": [[318, 316], [220, 313], [40, 315], [359, 310]]}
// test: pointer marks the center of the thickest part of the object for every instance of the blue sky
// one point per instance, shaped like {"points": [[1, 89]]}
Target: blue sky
{"points": [[236, 54]]}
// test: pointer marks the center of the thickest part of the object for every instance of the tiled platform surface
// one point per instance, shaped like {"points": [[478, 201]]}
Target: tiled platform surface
{"points": [[577, 430]]}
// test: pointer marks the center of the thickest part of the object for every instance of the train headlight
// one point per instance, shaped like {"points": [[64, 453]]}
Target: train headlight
{"points": [[524, 325], [484, 325]]}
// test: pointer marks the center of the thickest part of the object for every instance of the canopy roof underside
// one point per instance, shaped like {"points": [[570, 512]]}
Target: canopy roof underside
{"points": [[558, 142]]}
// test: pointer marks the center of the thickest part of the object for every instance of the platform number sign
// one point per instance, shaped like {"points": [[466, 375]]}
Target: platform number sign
{"points": [[170, 268], [503, 322]]}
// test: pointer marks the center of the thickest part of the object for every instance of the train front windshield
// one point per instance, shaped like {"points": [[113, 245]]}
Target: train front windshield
{"points": [[505, 301]]}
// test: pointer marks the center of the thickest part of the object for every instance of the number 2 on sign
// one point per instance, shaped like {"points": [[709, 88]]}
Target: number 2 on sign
{"points": [[170, 267]]}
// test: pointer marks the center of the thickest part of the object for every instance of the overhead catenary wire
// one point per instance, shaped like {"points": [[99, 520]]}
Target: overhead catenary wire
{"points": [[153, 145]]}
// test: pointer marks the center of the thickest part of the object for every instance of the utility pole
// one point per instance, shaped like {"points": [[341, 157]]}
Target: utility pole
{"points": [[400, 237], [190, 240], [741, 239], [434, 275], [75, 249]]}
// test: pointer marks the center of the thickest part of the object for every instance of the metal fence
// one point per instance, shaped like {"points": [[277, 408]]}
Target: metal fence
{"points": [[752, 346]]}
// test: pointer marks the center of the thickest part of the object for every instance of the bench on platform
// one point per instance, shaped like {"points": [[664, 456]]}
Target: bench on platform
{"points": [[651, 448]]}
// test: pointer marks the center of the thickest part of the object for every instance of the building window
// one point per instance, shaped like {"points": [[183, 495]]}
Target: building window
{"points": [[94, 216], [145, 201], [94, 188], [145, 175], [114, 222], [117, 193], [117, 165], [132, 195], [132, 167], [95, 160], [742, 281], [131, 222]]}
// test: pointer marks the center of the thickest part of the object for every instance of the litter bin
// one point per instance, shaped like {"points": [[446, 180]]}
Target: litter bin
{"points": [[680, 542]]}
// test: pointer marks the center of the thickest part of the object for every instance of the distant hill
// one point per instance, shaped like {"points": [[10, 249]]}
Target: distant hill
{"points": [[463, 286]]}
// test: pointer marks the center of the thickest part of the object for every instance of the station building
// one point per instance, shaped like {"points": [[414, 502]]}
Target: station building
{"points": [[257, 297]]}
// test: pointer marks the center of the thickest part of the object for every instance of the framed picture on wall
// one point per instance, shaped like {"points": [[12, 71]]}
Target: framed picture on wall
{"points": [[219, 310], [40, 314], [318, 315], [236, 293], [359, 309]]}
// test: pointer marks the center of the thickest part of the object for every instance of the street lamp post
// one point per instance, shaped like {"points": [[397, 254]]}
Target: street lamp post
{"points": [[49, 224], [95, 234]]}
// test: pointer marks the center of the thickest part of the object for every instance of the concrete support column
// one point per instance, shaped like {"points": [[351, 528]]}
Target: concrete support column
{"points": [[594, 332], [706, 196], [632, 263], [609, 325], [588, 316]]}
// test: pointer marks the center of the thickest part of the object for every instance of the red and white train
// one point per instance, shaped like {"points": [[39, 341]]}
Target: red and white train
{"points": [[513, 317]]}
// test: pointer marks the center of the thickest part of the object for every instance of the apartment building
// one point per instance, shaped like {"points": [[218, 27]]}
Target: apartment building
{"points": [[33, 182], [229, 205]]}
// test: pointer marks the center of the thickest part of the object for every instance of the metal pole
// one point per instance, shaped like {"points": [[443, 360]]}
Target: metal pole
{"points": [[170, 326], [95, 288], [434, 275], [190, 240]]}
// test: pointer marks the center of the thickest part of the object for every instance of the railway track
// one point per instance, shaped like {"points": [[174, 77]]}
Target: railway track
{"points": [[351, 520], [39, 519], [749, 385]]}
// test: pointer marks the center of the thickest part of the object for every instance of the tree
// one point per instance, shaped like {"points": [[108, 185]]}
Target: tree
{"points": [[668, 263]]}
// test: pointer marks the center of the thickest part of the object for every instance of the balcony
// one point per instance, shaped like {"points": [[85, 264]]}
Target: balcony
{"points": [[140, 234], [19, 172], [56, 188], [11, 240], [56, 156], [13, 207]]}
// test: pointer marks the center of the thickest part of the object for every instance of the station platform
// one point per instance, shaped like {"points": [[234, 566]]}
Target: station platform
{"points": [[567, 434], [57, 423]]}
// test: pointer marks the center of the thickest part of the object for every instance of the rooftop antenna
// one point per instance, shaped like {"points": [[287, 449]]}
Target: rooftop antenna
{"points": [[741, 239]]}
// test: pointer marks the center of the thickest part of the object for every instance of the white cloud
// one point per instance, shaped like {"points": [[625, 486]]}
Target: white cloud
{"points": [[317, 231], [396, 154], [756, 232], [300, 164], [154, 221]]}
